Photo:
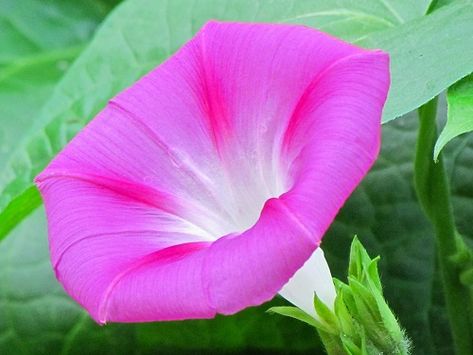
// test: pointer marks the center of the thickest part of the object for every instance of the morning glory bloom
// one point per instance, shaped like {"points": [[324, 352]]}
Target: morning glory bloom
{"points": [[205, 186]]}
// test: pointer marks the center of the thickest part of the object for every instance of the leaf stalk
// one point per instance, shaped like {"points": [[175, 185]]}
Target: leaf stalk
{"points": [[433, 192]]}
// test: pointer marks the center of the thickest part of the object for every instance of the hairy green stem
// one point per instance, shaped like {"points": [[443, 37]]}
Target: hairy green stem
{"points": [[434, 195]]}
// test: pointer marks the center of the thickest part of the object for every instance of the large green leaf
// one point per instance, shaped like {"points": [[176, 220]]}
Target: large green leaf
{"points": [[139, 35], [38, 40], [436, 4], [348, 19], [460, 113], [29, 27], [36, 314], [427, 56], [24, 86]]}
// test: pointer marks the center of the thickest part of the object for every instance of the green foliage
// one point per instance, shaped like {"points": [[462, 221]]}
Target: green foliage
{"points": [[38, 41], [361, 322], [436, 4], [463, 261], [460, 113], [427, 56], [31, 29], [296, 313], [433, 192]]}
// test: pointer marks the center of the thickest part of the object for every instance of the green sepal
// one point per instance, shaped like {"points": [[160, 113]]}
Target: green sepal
{"points": [[326, 316], [361, 322], [296, 313]]}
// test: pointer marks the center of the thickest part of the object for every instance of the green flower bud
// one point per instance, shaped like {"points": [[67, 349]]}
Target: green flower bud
{"points": [[361, 322]]}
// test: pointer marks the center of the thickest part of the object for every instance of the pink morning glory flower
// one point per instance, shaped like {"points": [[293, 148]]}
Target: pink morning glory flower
{"points": [[206, 185]]}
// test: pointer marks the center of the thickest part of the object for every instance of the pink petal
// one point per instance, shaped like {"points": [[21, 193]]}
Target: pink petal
{"points": [[334, 137], [206, 185]]}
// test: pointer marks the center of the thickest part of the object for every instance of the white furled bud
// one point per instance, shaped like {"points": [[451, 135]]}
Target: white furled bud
{"points": [[313, 276]]}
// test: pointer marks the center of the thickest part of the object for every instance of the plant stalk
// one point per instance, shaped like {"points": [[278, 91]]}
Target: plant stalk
{"points": [[433, 192]]}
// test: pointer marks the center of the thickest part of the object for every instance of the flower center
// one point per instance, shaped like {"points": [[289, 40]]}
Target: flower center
{"points": [[238, 191]]}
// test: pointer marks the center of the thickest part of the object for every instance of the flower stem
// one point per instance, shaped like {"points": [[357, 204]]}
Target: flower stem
{"points": [[434, 195]]}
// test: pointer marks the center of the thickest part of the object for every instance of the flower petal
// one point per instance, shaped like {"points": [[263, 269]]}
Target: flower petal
{"points": [[250, 268], [206, 185], [334, 137], [232, 273], [98, 235], [255, 75]]}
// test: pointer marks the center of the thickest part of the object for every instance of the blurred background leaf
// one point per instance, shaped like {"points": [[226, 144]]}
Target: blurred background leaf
{"points": [[38, 41], [32, 28], [428, 54]]}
